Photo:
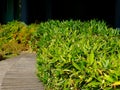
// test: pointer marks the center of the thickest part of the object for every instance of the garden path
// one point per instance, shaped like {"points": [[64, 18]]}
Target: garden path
{"points": [[19, 73]]}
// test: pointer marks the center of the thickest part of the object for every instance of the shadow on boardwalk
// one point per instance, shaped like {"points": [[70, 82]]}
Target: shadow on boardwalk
{"points": [[19, 73]]}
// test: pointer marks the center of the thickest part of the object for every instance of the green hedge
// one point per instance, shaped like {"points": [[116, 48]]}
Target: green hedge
{"points": [[75, 55]]}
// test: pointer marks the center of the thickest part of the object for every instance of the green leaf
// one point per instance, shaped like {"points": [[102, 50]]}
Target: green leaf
{"points": [[76, 65], [90, 58], [117, 83], [93, 84], [89, 79], [108, 78]]}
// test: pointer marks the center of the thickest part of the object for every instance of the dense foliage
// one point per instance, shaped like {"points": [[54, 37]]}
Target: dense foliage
{"points": [[75, 55], [71, 55], [15, 37]]}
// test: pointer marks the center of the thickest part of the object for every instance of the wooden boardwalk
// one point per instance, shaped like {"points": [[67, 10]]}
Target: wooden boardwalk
{"points": [[19, 73]]}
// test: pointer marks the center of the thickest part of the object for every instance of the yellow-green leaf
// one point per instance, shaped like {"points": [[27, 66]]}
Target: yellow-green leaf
{"points": [[116, 83]]}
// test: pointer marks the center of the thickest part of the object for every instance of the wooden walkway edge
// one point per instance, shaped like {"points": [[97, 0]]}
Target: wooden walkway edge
{"points": [[19, 73]]}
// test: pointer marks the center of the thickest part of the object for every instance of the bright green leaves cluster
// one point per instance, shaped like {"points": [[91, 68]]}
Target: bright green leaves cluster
{"points": [[75, 55]]}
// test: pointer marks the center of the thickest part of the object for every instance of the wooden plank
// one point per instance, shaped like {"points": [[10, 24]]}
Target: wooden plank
{"points": [[22, 75]]}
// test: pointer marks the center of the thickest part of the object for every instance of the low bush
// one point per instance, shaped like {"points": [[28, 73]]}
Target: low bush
{"points": [[15, 37], [75, 55]]}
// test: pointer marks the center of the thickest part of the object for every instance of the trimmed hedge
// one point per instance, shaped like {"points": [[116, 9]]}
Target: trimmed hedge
{"points": [[75, 55]]}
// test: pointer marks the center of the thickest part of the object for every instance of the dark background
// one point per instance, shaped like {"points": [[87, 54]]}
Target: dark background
{"points": [[42, 10], [72, 9]]}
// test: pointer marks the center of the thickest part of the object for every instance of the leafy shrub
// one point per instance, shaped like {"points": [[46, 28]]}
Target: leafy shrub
{"points": [[15, 37], [75, 55]]}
